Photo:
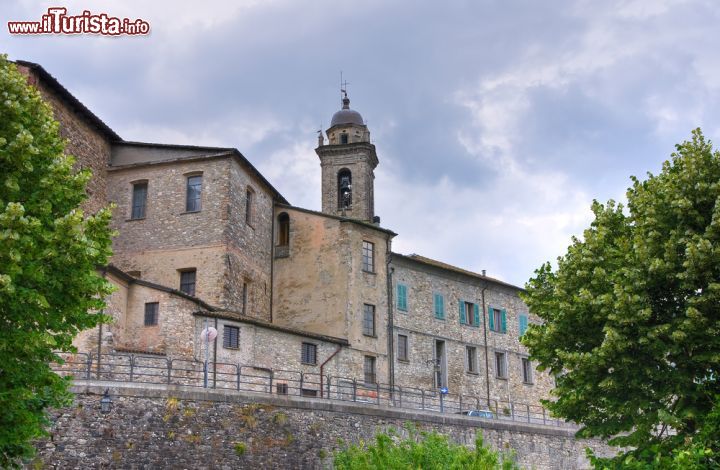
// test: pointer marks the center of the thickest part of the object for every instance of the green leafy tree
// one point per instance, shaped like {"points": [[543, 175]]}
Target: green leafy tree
{"points": [[427, 451], [632, 314], [49, 252]]}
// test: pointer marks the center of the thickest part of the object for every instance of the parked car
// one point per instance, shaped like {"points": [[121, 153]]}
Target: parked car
{"points": [[478, 413]]}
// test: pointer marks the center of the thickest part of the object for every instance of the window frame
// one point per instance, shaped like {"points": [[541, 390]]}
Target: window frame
{"points": [[133, 200], [469, 313], [184, 272], [471, 360], [155, 315], [228, 337], [527, 370], [197, 204], [305, 348], [372, 373], [368, 257], [501, 366], [249, 206], [406, 348], [404, 307], [283, 221], [441, 304], [368, 322]]}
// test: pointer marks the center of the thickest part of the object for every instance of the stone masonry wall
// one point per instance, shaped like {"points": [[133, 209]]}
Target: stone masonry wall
{"points": [[155, 427], [422, 328], [85, 142]]}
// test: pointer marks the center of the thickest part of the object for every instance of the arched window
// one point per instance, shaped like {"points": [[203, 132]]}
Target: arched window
{"points": [[343, 138], [344, 180], [283, 229]]}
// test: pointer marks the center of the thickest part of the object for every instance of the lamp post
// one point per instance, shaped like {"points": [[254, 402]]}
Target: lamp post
{"points": [[208, 334], [106, 402]]}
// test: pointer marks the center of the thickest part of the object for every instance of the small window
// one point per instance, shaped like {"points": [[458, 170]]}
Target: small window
{"points": [[500, 365], [368, 257], [194, 194], [402, 349], [187, 281], [497, 320], [151, 313], [402, 297], [522, 324], [281, 388], [244, 298], [368, 320], [283, 229], [527, 370], [249, 201], [139, 198], [470, 313], [231, 337], [307, 392], [439, 302], [471, 359], [369, 370], [343, 138], [308, 353]]}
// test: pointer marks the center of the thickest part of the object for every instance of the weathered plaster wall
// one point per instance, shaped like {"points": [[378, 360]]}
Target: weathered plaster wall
{"points": [[153, 427]]}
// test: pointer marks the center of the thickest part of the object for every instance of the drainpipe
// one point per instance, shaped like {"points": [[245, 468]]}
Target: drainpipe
{"points": [[272, 257], [391, 334], [215, 355], [485, 334], [322, 367], [100, 330]]}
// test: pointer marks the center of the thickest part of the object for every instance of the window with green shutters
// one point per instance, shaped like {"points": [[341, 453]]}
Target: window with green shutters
{"points": [[497, 320], [461, 312], [402, 297], [523, 324], [439, 306], [469, 313]]}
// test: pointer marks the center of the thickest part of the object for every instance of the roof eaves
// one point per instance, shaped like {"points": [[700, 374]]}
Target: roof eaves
{"points": [[339, 218]]}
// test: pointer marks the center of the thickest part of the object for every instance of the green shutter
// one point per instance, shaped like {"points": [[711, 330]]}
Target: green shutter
{"points": [[402, 297], [463, 319], [439, 306], [504, 322], [491, 319], [477, 315], [523, 324]]}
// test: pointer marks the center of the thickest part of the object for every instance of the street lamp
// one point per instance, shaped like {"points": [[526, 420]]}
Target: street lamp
{"points": [[106, 402], [208, 334]]}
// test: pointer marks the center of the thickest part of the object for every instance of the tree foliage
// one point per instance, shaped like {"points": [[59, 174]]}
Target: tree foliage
{"points": [[632, 314], [427, 451], [49, 252]]}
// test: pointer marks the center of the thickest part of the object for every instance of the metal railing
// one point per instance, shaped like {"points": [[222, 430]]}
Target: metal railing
{"points": [[137, 368]]}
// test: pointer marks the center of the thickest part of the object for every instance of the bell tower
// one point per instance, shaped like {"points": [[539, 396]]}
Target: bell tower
{"points": [[348, 162]]}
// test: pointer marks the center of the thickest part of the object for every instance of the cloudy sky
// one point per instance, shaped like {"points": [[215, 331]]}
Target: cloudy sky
{"points": [[496, 122]]}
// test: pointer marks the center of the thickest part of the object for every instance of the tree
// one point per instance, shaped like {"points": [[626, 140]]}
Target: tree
{"points": [[427, 451], [49, 252], [632, 314]]}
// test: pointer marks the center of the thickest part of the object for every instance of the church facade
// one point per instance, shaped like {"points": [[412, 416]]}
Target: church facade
{"points": [[203, 239]]}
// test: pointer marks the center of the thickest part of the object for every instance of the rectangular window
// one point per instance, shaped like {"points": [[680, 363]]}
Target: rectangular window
{"points": [[151, 313], [244, 298], [497, 320], [470, 314], [402, 297], [522, 324], [500, 365], [308, 353], [249, 196], [368, 257], [439, 302], [194, 193], [369, 369], [402, 348], [307, 392], [231, 337], [368, 320], [187, 281], [471, 358], [281, 389], [139, 198], [527, 370]]}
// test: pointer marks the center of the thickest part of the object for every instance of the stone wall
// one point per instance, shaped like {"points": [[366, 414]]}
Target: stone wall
{"points": [[423, 329], [85, 141], [151, 426]]}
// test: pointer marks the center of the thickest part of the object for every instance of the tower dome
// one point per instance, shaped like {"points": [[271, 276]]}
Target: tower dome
{"points": [[346, 115]]}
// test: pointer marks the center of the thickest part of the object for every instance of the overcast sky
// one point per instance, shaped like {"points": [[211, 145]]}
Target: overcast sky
{"points": [[496, 122]]}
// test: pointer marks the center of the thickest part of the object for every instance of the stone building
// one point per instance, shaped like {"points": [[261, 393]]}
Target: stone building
{"points": [[204, 239]]}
